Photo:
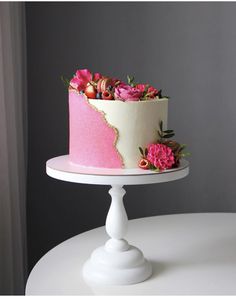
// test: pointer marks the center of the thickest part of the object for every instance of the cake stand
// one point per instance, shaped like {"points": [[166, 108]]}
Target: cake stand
{"points": [[117, 262]]}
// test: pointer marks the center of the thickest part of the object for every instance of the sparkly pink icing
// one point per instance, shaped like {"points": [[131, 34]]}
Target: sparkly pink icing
{"points": [[91, 141]]}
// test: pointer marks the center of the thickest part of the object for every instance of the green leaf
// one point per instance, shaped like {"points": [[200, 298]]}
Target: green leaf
{"points": [[161, 125], [160, 134], [65, 81], [168, 131], [152, 167], [146, 152], [130, 80], [185, 154], [141, 151], [180, 149], [159, 94], [167, 136]]}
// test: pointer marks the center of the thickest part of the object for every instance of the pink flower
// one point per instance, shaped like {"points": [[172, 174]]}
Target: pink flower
{"points": [[127, 93], [160, 156], [141, 87], [80, 80]]}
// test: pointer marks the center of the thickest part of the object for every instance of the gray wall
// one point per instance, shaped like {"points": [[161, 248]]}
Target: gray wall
{"points": [[187, 49]]}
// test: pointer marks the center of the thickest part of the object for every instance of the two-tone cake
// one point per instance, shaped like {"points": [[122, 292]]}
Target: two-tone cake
{"points": [[112, 124]]}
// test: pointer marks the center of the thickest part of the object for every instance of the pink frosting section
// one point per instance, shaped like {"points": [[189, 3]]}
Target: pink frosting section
{"points": [[91, 138]]}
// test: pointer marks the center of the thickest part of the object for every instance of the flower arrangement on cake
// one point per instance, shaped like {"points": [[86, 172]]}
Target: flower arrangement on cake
{"points": [[164, 154], [98, 86]]}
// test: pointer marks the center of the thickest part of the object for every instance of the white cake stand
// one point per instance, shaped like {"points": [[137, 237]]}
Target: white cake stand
{"points": [[117, 262]]}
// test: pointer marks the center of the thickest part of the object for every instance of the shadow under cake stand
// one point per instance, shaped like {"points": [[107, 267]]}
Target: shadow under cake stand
{"points": [[117, 262]]}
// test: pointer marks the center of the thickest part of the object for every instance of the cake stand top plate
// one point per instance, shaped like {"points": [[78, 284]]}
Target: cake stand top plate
{"points": [[61, 168]]}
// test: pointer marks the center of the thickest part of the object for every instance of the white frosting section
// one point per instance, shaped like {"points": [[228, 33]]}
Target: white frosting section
{"points": [[136, 122]]}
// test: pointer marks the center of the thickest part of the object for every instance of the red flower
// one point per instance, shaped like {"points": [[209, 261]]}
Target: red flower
{"points": [[141, 87], [152, 92]]}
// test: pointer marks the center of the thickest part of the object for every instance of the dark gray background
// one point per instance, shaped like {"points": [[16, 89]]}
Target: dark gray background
{"points": [[187, 49]]}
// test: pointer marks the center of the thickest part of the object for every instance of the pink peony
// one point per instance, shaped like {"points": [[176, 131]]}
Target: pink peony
{"points": [[160, 156], [127, 93]]}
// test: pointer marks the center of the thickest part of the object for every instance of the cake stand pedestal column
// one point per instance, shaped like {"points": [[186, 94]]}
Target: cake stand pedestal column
{"points": [[117, 262]]}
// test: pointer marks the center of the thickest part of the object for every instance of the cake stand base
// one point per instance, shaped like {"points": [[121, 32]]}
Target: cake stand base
{"points": [[116, 267]]}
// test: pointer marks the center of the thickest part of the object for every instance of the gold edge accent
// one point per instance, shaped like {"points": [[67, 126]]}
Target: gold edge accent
{"points": [[105, 120]]}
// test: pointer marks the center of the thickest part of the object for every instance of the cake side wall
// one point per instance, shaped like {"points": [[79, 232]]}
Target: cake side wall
{"points": [[91, 139], [137, 124]]}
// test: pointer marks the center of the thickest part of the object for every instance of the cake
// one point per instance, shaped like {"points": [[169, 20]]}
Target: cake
{"points": [[117, 125]]}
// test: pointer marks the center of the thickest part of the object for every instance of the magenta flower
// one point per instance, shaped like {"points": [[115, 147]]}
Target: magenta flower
{"points": [[160, 156], [80, 80], [127, 93]]}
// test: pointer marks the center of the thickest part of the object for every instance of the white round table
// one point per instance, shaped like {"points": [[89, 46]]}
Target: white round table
{"points": [[191, 254], [117, 262]]}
